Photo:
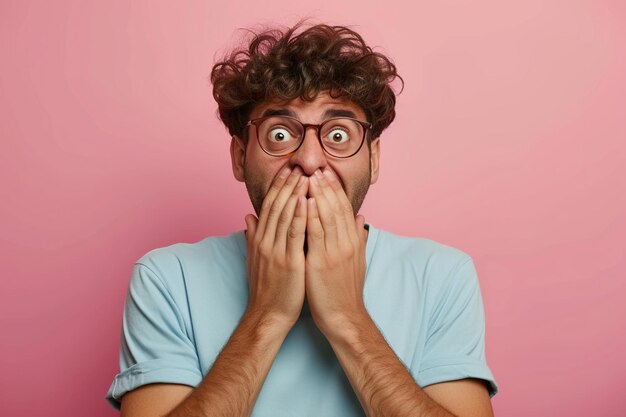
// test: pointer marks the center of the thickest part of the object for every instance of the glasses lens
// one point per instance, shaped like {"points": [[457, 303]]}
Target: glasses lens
{"points": [[341, 137], [279, 135]]}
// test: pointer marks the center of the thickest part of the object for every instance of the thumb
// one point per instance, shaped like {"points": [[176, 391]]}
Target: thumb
{"points": [[251, 223], [360, 227]]}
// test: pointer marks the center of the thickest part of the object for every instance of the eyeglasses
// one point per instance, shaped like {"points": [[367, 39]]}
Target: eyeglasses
{"points": [[341, 137]]}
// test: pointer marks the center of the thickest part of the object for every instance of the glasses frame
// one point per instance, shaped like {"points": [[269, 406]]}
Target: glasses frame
{"points": [[318, 127]]}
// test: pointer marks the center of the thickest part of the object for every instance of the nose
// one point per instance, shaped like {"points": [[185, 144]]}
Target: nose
{"points": [[310, 156]]}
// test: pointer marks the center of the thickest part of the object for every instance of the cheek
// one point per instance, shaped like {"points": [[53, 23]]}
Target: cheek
{"points": [[260, 172], [352, 171]]}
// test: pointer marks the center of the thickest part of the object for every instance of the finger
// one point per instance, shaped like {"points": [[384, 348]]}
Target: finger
{"points": [[324, 209], [284, 221], [275, 210], [268, 200], [251, 226], [296, 233], [360, 228], [283, 227], [314, 229], [335, 185], [341, 205], [277, 217]]}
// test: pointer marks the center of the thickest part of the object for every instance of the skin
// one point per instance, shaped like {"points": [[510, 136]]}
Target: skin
{"points": [[257, 169], [310, 196]]}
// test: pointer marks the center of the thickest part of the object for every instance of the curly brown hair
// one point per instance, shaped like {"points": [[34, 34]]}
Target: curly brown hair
{"points": [[287, 64]]}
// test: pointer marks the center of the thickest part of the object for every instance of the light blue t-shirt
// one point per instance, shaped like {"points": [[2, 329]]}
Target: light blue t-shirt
{"points": [[185, 301]]}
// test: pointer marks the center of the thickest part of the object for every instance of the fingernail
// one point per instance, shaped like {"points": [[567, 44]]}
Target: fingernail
{"points": [[285, 172], [319, 173]]}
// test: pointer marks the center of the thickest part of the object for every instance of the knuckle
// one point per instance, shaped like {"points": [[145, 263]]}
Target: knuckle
{"points": [[267, 203], [317, 233], [280, 262], [346, 208], [293, 232], [337, 206], [283, 221], [264, 249], [275, 210], [347, 251]]}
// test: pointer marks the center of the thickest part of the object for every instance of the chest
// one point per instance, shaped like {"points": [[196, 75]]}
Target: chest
{"points": [[306, 377]]}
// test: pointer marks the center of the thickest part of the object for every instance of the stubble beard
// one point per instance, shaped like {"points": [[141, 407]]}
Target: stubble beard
{"points": [[257, 190]]}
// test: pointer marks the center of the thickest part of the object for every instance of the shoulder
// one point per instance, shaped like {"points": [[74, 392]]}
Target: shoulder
{"points": [[416, 250], [437, 268], [170, 263], [212, 245]]}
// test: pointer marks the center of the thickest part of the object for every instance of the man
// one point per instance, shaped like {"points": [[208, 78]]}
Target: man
{"points": [[309, 311]]}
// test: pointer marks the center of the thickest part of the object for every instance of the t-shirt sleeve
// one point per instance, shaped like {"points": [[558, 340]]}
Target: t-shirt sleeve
{"points": [[455, 343], [155, 343]]}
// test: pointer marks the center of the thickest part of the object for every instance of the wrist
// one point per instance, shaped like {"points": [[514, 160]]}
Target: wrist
{"points": [[344, 329], [268, 322]]}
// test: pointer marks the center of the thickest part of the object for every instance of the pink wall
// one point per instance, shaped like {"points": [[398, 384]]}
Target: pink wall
{"points": [[509, 144]]}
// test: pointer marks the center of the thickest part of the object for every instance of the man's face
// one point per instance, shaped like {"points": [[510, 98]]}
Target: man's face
{"points": [[258, 169]]}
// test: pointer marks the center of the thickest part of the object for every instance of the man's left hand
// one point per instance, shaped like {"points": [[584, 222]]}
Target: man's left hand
{"points": [[335, 261]]}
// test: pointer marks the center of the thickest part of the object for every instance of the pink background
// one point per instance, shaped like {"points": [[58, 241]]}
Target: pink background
{"points": [[508, 144]]}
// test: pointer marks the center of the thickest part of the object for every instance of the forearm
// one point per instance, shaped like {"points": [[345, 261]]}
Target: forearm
{"points": [[234, 381], [382, 383], [275, 264]]}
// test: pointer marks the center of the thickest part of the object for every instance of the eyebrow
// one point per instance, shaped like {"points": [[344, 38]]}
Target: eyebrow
{"points": [[278, 112], [338, 113], [326, 115]]}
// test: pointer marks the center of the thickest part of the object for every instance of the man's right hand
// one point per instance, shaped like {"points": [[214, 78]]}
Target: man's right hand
{"points": [[275, 245], [275, 264]]}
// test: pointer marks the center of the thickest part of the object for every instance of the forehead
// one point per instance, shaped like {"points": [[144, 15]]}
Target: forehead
{"points": [[321, 107]]}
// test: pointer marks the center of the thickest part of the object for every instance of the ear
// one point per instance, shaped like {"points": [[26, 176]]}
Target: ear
{"points": [[374, 159], [237, 157]]}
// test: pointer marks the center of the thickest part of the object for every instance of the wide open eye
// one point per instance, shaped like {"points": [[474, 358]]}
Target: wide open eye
{"points": [[279, 134], [337, 136]]}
